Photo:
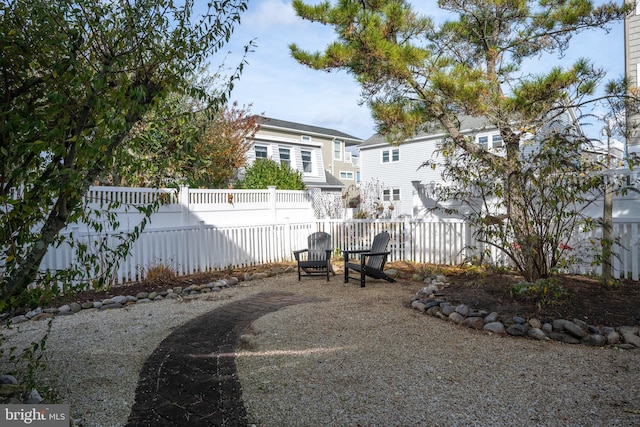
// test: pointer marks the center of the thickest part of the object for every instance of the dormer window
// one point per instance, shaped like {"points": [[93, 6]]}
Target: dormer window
{"points": [[305, 138]]}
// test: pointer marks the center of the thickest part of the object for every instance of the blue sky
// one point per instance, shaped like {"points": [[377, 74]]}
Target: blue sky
{"points": [[277, 86]]}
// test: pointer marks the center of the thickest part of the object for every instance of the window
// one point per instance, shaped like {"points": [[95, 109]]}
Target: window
{"points": [[285, 156], [305, 138], [337, 149], [483, 141], [391, 194], [261, 152], [497, 141], [346, 175], [306, 161], [392, 155], [489, 141]]}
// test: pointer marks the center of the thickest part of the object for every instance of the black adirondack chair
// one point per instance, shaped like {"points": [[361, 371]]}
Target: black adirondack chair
{"points": [[315, 260], [372, 260]]}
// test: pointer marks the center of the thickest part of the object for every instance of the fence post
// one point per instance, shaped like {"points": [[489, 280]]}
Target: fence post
{"points": [[288, 244], [408, 239], [203, 250], [184, 204], [272, 202]]}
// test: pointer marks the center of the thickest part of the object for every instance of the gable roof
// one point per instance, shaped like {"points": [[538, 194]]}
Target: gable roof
{"points": [[467, 124], [308, 129]]}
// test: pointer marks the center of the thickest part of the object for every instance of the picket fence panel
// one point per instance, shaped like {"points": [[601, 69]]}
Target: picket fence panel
{"points": [[192, 249]]}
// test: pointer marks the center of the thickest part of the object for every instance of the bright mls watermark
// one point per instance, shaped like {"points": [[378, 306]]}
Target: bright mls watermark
{"points": [[34, 415]]}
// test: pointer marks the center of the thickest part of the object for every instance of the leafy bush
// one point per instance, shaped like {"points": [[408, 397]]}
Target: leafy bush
{"points": [[266, 172]]}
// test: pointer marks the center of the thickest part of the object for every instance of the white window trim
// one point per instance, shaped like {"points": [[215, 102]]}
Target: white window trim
{"points": [[261, 146], [311, 155], [392, 191], [390, 153], [349, 175], [292, 163], [333, 149]]}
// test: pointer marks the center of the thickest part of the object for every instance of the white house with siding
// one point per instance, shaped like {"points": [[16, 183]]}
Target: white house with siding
{"points": [[406, 184], [632, 63], [409, 185]]}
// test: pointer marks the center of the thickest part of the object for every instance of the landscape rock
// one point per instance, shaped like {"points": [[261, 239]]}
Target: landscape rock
{"points": [[494, 327], [537, 334], [594, 340]]}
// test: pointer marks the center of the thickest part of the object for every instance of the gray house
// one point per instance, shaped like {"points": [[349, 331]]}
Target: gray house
{"points": [[405, 183], [409, 186]]}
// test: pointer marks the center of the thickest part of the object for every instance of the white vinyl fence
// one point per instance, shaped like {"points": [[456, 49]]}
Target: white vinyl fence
{"points": [[191, 249]]}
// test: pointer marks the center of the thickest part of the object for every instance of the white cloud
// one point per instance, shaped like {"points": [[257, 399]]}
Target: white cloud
{"points": [[271, 13]]}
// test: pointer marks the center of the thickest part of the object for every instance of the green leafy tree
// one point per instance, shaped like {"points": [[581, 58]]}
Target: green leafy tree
{"points": [[266, 172], [184, 143], [76, 76], [417, 75]]}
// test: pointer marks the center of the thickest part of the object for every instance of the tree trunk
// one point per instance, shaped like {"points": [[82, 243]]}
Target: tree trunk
{"points": [[607, 231]]}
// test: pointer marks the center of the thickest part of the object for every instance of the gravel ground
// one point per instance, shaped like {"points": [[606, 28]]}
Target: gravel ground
{"points": [[359, 358]]}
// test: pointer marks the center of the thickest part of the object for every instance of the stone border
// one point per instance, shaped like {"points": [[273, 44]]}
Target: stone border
{"points": [[431, 300], [121, 301]]}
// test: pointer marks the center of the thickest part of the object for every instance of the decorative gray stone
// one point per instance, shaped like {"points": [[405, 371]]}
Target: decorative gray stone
{"points": [[433, 304], [143, 301], [565, 338], [418, 306], [462, 309], [537, 334], [547, 328], [574, 329], [97, 304], [428, 290], [131, 298], [473, 322], [441, 278], [456, 317], [494, 327], [629, 336], [64, 309], [108, 301], [258, 276], [517, 330], [19, 319], [120, 299], [434, 310], [75, 307], [34, 397], [232, 281], [8, 379], [447, 309], [152, 295], [491, 317], [581, 324], [558, 325], [594, 340], [86, 305], [33, 313], [519, 320]]}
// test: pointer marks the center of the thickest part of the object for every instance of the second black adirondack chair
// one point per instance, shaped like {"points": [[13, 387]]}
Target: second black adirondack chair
{"points": [[315, 260], [371, 261]]}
